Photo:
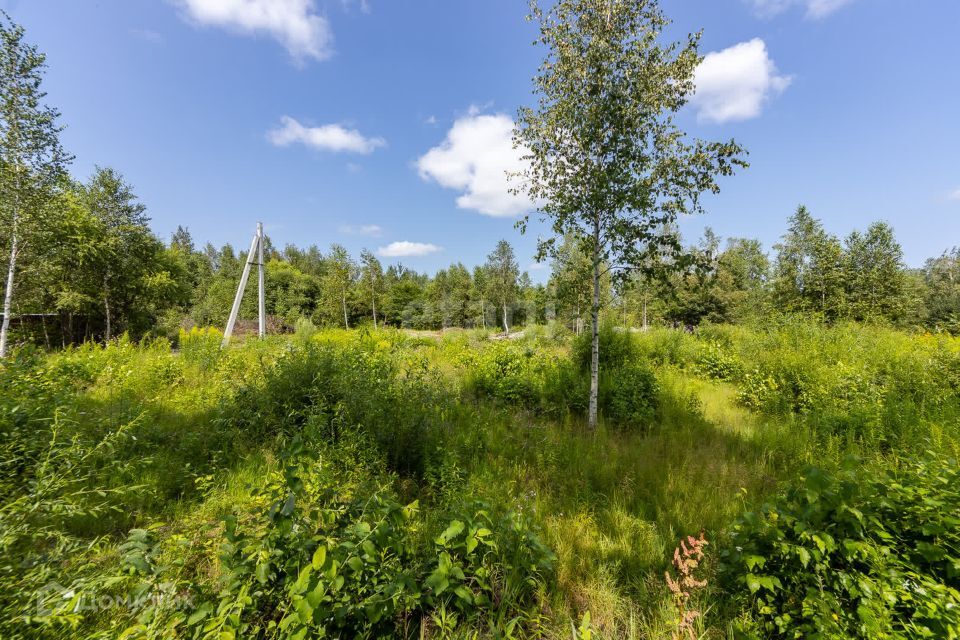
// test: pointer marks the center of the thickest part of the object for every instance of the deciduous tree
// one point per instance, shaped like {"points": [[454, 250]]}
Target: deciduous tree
{"points": [[502, 273], [606, 160], [31, 158]]}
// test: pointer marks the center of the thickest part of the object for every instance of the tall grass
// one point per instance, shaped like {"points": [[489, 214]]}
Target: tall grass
{"points": [[100, 443]]}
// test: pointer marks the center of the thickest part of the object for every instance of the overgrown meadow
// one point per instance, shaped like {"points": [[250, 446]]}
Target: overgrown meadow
{"points": [[786, 480]]}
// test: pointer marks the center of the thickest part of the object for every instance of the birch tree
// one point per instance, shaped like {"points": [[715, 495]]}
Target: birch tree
{"points": [[340, 278], [502, 273], [125, 244], [31, 158], [372, 277], [606, 160]]}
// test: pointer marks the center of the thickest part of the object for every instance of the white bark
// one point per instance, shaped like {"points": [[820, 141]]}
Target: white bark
{"points": [[106, 308], [8, 295], [595, 343]]}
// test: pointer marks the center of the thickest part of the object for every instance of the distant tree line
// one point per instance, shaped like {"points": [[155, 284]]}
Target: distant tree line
{"points": [[861, 278], [97, 270], [83, 264]]}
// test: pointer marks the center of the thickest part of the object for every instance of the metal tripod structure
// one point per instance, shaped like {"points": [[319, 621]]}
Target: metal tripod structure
{"points": [[256, 251]]}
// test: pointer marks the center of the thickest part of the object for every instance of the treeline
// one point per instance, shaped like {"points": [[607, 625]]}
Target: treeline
{"points": [[861, 278], [95, 269], [83, 264]]}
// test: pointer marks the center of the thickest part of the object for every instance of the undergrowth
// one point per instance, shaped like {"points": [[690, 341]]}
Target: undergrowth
{"points": [[373, 484]]}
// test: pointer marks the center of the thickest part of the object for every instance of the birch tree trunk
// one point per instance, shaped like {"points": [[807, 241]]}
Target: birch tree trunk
{"points": [[8, 294], [373, 303], [506, 327], [346, 323], [595, 342], [106, 309]]}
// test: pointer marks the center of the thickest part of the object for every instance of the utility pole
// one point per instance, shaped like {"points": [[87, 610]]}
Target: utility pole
{"points": [[256, 251], [261, 292]]}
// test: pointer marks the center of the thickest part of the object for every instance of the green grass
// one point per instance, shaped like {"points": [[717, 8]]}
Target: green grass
{"points": [[100, 441]]}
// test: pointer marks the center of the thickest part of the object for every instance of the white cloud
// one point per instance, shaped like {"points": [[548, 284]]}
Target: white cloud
{"points": [[815, 8], [373, 230], [328, 137], [954, 195], [475, 158], [431, 120], [406, 249], [293, 23], [734, 84], [537, 266]]}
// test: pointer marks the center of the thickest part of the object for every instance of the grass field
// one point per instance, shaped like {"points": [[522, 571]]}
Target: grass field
{"points": [[378, 484]]}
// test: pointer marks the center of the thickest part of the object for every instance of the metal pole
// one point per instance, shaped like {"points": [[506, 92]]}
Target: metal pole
{"points": [[243, 285], [262, 306]]}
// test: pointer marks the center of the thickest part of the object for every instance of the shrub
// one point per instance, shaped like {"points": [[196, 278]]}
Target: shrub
{"points": [[507, 372], [715, 361], [316, 564], [304, 329], [617, 347], [757, 391], [628, 394], [666, 346], [863, 553], [200, 346]]}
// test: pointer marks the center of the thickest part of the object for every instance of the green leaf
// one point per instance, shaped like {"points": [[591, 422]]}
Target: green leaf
{"points": [[319, 557], [199, 614], [454, 529], [438, 581]]}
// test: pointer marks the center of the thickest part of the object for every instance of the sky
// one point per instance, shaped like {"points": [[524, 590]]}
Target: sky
{"points": [[385, 124]]}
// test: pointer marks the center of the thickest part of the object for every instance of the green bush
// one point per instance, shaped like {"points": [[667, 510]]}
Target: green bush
{"points": [[864, 553], [715, 361], [507, 372], [617, 347], [663, 346], [628, 394], [313, 563]]}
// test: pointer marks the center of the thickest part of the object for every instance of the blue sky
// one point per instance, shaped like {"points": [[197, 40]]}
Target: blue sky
{"points": [[384, 123]]}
